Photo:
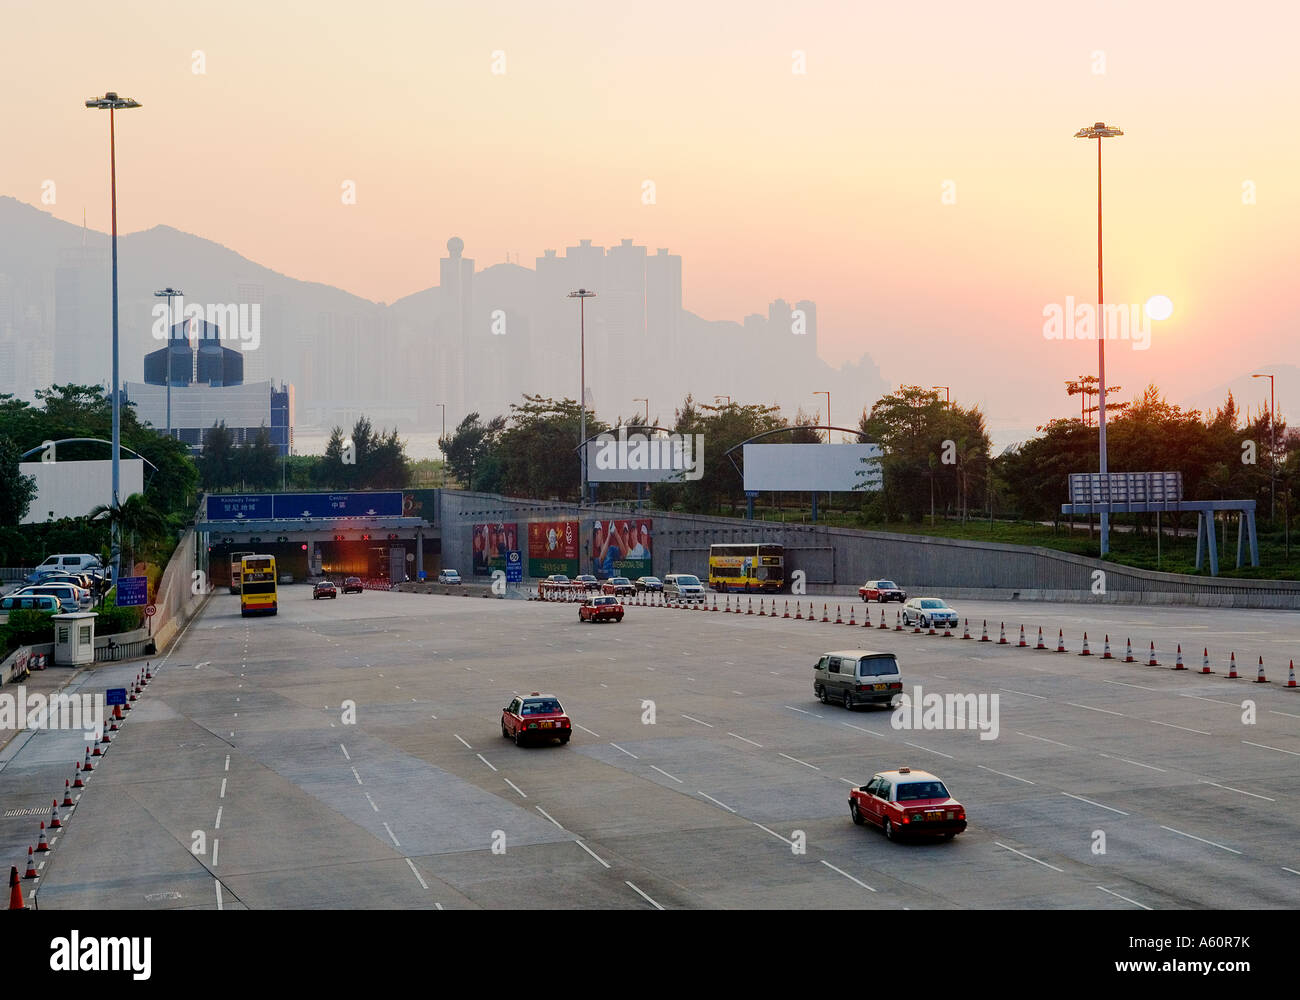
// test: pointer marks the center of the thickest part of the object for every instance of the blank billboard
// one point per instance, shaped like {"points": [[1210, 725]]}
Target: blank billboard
{"points": [[72, 489], [796, 468]]}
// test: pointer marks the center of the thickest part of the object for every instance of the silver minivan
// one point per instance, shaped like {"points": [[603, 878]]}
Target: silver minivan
{"points": [[683, 587], [857, 677]]}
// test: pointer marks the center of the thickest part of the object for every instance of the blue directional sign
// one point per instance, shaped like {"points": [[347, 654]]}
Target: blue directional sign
{"points": [[239, 507], [514, 567], [132, 591], [423, 574], [115, 696], [289, 505]]}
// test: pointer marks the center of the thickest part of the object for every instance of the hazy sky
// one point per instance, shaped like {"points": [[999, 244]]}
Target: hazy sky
{"points": [[827, 184]]}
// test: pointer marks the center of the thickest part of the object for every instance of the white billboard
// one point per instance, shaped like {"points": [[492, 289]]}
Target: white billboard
{"points": [[796, 468], [661, 457], [73, 489]]}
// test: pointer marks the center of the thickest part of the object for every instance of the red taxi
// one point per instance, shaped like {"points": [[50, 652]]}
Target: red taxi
{"points": [[535, 717], [907, 803], [605, 608]]}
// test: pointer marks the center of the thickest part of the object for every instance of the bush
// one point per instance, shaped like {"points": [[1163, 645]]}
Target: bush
{"points": [[26, 628], [113, 620]]}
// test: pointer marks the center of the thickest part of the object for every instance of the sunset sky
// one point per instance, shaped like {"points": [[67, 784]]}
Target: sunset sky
{"points": [[770, 183]]}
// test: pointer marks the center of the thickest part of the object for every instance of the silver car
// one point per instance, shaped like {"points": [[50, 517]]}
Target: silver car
{"points": [[927, 611], [70, 596]]}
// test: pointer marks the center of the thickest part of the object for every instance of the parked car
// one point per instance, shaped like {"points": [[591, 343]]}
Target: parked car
{"points": [[882, 591], [604, 608], [928, 611], [449, 576], [28, 602], [587, 581], [325, 588], [907, 802], [683, 587], [70, 596], [554, 582], [535, 717], [353, 585], [857, 677], [649, 583], [617, 585], [65, 562]]}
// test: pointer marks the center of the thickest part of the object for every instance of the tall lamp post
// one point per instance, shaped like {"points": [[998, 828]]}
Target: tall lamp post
{"points": [[168, 293], [1099, 131], [582, 295], [1272, 449], [111, 102], [441, 446]]}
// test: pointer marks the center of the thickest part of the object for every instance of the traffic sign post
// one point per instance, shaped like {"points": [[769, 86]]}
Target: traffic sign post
{"points": [[514, 567], [132, 591]]}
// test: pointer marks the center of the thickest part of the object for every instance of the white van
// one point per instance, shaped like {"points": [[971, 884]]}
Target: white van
{"points": [[857, 677], [66, 562], [684, 587]]}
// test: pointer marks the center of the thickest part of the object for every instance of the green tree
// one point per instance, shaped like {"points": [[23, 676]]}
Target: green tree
{"points": [[217, 459], [16, 491], [469, 445], [137, 522]]}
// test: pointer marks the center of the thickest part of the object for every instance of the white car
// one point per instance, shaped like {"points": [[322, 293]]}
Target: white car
{"points": [[927, 611], [449, 576], [70, 596], [683, 587]]}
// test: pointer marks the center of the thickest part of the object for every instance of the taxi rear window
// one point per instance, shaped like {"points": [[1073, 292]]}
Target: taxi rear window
{"points": [[541, 706], [922, 790]]}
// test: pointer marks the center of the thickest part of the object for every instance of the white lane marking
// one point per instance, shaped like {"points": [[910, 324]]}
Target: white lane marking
{"points": [[802, 712], [861, 730], [345, 752], [734, 691], [515, 787], [433, 716], [1238, 790], [411, 865], [216, 846], [739, 737], [484, 760], [1217, 701], [847, 875], [355, 775], [798, 761], [588, 731], [1005, 775], [1025, 693], [1202, 840], [217, 824], [592, 853], [391, 835], [223, 789], [1125, 898], [1045, 740], [1274, 711], [1149, 767], [1075, 704], [928, 750], [1128, 685], [717, 803], [644, 896], [1291, 870], [1265, 746], [1097, 804], [458, 736], [628, 752], [227, 762], [549, 816], [1024, 855], [1157, 722], [772, 832], [666, 774], [848, 782], [371, 801], [700, 721], [220, 906]]}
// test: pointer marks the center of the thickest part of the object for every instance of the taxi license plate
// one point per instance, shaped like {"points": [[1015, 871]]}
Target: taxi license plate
{"points": [[547, 725], [936, 815], [880, 687]]}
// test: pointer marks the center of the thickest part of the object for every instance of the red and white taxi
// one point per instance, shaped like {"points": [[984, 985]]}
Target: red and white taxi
{"points": [[536, 716], [605, 608], [907, 803], [882, 591]]}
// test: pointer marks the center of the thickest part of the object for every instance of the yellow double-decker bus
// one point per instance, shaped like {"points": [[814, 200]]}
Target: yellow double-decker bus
{"points": [[236, 567], [754, 567], [257, 586]]}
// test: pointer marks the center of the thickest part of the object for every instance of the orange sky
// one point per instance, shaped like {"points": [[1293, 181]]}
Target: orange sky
{"points": [[824, 185]]}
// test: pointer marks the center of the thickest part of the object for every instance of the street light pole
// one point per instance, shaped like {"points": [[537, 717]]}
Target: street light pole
{"points": [[168, 293], [582, 295], [1272, 449], [1099, 131], [112, 102]]}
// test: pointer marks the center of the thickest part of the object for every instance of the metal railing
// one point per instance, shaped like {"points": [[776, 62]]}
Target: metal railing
{"points": [[114, 651]]}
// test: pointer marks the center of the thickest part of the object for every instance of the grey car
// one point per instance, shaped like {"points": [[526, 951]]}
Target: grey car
{"points": [[928, 611]]}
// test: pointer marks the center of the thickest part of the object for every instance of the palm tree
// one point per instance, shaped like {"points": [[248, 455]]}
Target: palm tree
{"points": [[133, 517]]}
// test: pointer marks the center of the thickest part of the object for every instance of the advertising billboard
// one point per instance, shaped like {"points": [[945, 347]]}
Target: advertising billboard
{"points": [[621, 546], [552, 548], [801, 468], [492, 544]]}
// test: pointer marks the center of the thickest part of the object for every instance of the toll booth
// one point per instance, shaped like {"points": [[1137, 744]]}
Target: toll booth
{"points": [[74, 638]]}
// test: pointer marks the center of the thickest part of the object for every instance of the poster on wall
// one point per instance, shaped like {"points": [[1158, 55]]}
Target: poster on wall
{"points": [[492, 543], [553, 548], [621, 547]]}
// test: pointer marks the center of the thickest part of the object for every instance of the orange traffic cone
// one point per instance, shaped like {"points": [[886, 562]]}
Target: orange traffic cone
{"points": [[1085, 651], [1291, 678], [984, 635], [1178, 663], [966, 630], [148, 674], [1022, 642], [1261, 679], [852, 615], [42, 844], [55, 824], [1060, 640], [787, 610], [15, 891], [67, 793], [1041, 644], [762, 608], [839, 617], [1232, 667], [78, 783], [1205, 661], [898, 620], [1002, 635], [825, 616], [106, 738], [1151, 660], [31, 865], [1106, 655], [88, 765], [751, 607], [715, 603], [883, 624], [916, 627], [1128, 652], [798, 611]]}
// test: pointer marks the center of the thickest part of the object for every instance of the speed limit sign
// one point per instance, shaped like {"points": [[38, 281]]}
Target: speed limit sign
{"points": [[150, 610]]}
